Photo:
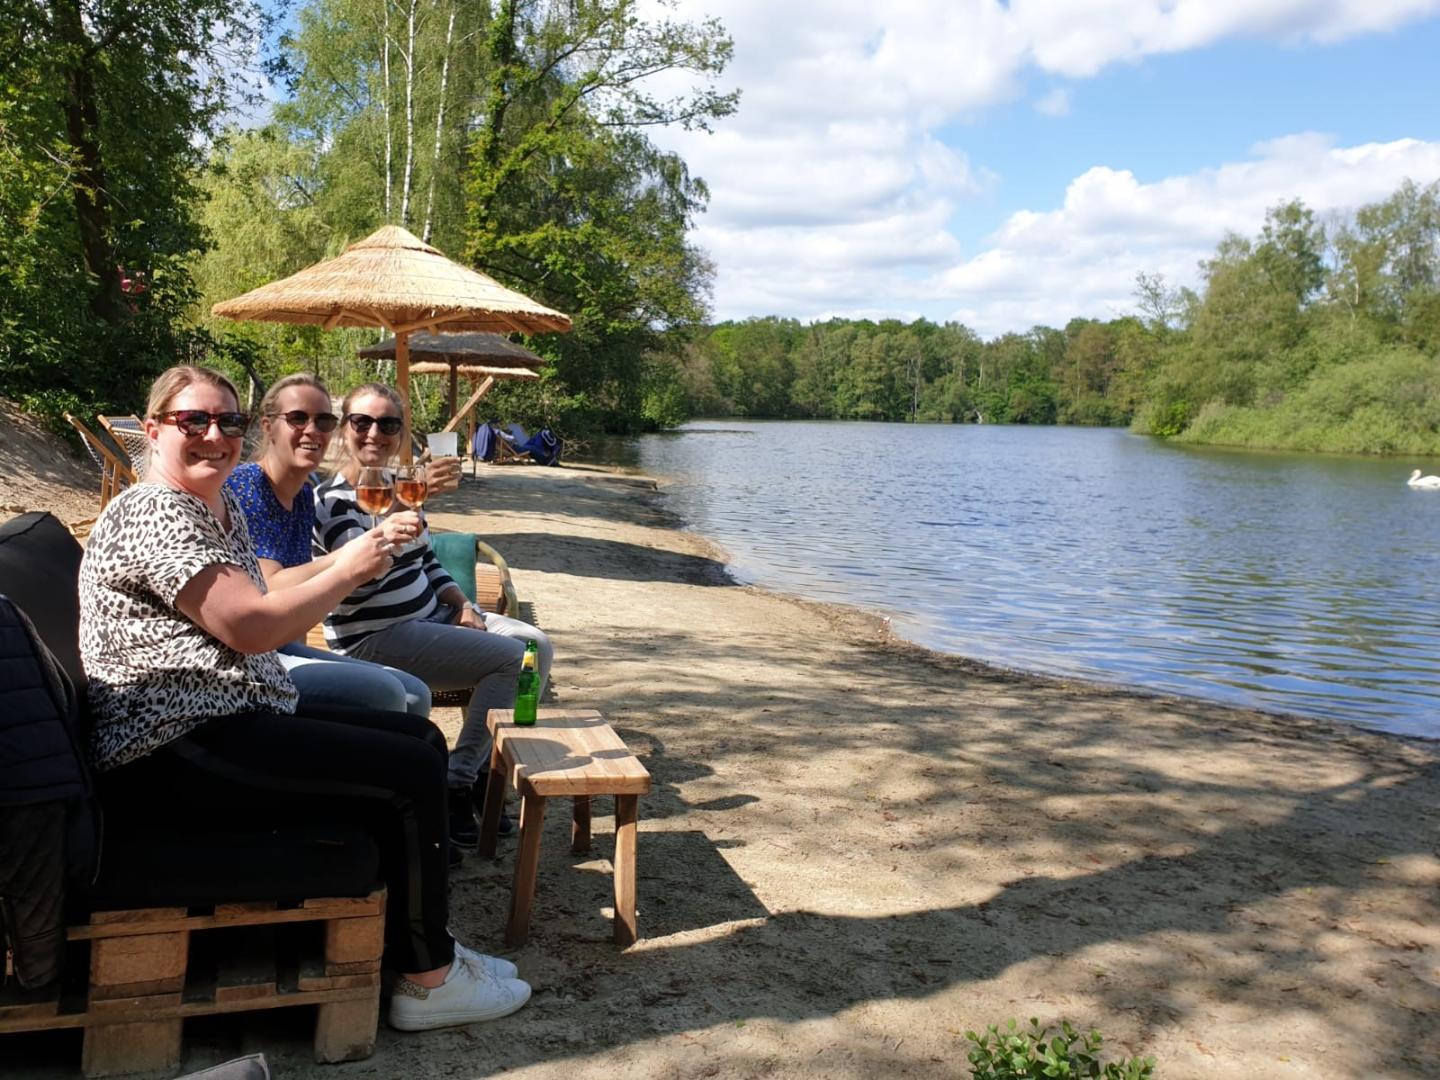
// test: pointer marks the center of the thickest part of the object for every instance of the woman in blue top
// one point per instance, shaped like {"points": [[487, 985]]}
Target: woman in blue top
{"points": [[278, 499]]}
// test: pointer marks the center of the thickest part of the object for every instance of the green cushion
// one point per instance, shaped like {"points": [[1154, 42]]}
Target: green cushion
{"points": [[456, 552]]}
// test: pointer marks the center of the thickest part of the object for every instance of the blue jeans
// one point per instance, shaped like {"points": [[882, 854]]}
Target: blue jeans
{"points": [[452, 657], [326, 678]]}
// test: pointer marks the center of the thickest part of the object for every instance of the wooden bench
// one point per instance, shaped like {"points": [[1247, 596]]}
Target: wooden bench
{"points": [[152, 968], [573, 753]]}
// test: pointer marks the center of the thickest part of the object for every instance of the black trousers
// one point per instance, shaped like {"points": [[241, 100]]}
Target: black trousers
{"points": [[382, 771]]}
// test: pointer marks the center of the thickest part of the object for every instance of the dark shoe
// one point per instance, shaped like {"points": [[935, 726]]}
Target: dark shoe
{"points": [[464, 833], [482, 784]]}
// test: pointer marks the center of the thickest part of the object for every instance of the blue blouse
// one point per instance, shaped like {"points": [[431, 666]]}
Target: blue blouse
{"points": [[278, 534]]}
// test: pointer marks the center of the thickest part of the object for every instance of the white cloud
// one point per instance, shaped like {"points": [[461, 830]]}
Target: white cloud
{"points": [[1055, 103], [832, 192], [1082, 258]]}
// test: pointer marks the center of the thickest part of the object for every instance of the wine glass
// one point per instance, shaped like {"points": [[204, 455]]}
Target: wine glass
{"points": [[374, 491], [411, 488]]}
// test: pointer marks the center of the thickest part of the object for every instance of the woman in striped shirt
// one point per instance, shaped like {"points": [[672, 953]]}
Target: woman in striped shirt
{"points": [[414, 616]]}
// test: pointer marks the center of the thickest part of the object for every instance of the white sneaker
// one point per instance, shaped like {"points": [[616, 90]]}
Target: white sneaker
{"points": [[497, 966], [469, 994]]}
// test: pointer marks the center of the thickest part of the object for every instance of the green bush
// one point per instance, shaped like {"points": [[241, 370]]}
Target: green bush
{"points": [[1036, 1053]]}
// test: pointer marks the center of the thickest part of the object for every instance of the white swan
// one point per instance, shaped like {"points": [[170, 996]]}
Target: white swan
{"points": [[1430, 483]]}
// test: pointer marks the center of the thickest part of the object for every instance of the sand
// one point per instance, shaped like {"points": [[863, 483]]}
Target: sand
{"points": [[855, 849]]}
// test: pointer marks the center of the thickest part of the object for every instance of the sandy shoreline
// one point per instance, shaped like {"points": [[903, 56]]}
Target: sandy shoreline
{"points": [[856, 849]]}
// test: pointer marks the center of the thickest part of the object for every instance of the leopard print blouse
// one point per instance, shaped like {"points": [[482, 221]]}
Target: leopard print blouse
{"points": [[153, 673]]}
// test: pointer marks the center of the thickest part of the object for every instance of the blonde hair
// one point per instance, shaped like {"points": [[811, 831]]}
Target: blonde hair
{"points": [[389, 393], [267, 403], [168, 384]]}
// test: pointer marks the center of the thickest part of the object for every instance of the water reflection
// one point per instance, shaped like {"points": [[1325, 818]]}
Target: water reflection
{"points": [[1299, 583]]}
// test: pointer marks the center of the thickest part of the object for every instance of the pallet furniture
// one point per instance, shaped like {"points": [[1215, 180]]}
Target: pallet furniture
{"points": [[574, 753], [151, 968]]}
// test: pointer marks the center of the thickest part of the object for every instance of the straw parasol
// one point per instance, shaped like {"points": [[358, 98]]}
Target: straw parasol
{"points": [[392, 279], [487, 357]]}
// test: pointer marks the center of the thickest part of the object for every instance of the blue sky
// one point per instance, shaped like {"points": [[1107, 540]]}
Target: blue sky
{"points": [[1007, 164], [1004, 164]]}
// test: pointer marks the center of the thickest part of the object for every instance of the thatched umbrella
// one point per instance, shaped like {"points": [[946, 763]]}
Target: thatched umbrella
{"points": [[392, 279], [487, 357]]}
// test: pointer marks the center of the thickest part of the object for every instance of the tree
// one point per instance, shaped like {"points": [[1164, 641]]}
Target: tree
{"points": [[108, 110]]}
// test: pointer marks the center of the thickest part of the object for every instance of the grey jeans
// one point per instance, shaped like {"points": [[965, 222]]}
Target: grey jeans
{"points": [[452, 657]]}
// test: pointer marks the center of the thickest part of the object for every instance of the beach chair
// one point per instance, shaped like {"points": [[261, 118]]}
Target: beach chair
{"points": [[516, 446], [116, 472], [129, 434]]}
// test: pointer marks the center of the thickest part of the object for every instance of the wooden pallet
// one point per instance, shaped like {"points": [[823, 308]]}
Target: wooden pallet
{"points": [[150, 969]]}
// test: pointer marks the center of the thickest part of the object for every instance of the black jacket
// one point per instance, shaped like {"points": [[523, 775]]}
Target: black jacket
{"points": [[49, 818]]}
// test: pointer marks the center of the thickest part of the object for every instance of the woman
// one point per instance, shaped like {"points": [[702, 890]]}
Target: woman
{"points": [[277, 497], [195, 716], [415, 617]]}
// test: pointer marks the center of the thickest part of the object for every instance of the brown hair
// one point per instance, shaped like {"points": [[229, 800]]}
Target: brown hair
{"points": [[267, 403], [168, 384]]}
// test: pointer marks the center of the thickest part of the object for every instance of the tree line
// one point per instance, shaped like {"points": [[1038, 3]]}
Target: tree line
{"points": [[1310, 336]]}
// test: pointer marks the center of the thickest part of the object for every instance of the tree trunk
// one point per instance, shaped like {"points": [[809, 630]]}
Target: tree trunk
{"points": [[385, 105], [92, 200], [409, 173], [439, 128]]}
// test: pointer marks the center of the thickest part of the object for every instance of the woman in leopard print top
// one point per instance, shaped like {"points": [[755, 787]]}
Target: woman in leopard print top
{"points": [[195, 717]]}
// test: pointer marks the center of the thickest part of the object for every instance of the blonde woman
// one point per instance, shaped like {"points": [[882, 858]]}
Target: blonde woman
{"points": [[414, 616], [195, 717], [277, 495]]}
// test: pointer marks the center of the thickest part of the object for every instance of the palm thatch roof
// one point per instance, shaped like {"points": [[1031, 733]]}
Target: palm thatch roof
{"points": [[459, 350], [395, 280]]}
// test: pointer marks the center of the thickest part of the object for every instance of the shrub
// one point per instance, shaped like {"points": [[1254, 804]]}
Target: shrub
{"points": [[1014, 1054]]}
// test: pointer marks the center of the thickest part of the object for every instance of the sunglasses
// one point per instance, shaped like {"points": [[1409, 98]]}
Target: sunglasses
{"points": [[388, 425], [300, 420], [197, 422]]}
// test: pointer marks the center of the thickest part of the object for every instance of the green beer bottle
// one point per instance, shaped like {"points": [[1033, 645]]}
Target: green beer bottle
{"points": [[527, 688]]}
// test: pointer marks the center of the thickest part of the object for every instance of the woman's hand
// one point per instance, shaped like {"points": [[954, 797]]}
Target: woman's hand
{"points": [[470, 617], [443, 475], [399, 529], [366, 557]]}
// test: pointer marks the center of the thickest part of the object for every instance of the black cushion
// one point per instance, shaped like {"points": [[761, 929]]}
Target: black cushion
{"points": [[40, 571], [166, 868]]}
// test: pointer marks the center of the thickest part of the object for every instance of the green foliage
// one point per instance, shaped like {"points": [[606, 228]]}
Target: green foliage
{"points": [[104, 111], [1038, 1053]]}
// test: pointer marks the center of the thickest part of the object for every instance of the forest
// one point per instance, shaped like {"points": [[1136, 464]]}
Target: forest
{"points": [[1309, 336], [157, 157]]}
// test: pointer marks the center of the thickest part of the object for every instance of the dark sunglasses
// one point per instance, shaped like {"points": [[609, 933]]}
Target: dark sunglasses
{"points": [[300, 419], [388, 425], [197, 422]]}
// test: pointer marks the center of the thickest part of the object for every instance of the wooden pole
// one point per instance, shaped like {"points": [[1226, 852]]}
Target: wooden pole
{"points": [[402, 384]]}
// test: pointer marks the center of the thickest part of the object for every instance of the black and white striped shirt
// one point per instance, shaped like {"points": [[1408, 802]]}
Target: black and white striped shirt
{"points": [[406, 591]]}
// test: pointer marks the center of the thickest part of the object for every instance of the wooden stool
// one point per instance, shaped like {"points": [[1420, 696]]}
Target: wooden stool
{"points": [[143, 984], [568, 752]]}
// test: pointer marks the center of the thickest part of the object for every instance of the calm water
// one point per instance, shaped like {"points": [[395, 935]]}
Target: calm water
{"points": [[1287, 582]]}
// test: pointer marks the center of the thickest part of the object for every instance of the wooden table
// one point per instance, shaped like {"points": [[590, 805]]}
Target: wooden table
{"points": [[569, 752]]}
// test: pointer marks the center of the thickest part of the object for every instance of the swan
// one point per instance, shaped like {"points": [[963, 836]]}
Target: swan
{"points": [[1427, 482]]}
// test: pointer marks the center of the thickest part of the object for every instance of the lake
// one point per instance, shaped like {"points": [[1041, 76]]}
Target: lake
{"points": [[1293, 583]]}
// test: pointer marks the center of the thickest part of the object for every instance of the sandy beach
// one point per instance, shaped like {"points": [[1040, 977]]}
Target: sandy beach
{"points": [[855, 849]]}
